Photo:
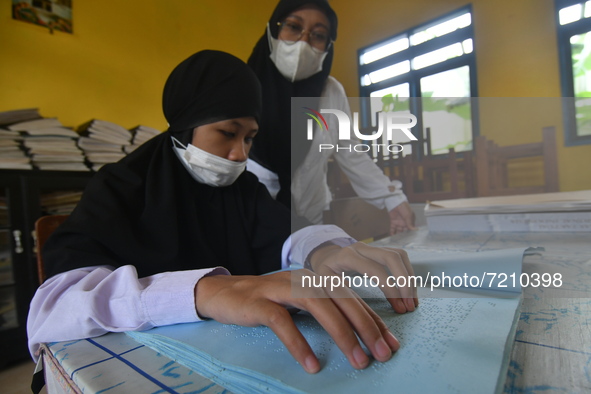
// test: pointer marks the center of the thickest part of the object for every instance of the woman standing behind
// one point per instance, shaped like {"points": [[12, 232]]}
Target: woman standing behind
{"points": [[293, 59]]}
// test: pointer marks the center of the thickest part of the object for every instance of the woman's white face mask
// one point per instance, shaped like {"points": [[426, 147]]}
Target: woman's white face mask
{"points": [[208, 168], [295, 60]]}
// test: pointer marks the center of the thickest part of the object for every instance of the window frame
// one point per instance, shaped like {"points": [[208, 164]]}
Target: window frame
{"points": [[413, 77], [564, 33]]}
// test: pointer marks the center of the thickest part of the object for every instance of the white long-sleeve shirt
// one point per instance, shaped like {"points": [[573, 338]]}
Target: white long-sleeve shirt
{"points": [[309, 186], [92, 301]]}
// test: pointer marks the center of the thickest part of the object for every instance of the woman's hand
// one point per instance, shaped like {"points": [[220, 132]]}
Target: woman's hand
{"points": [[263, 300], [386, 264], [402, 219]]}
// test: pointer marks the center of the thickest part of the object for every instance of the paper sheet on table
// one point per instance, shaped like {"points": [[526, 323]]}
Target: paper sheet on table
{"points": [[452, 343], [495, 270]]}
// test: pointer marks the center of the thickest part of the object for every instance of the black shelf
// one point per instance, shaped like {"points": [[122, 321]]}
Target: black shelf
{"points": [[20, 197]]}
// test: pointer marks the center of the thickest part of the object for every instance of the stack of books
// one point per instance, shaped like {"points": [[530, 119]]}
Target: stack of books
{"points": [[12, 155], [18, 115], [8, 310], [28, 141], [103, 142], [141, 134], [4, 218], [60, 203], [50, 145]]}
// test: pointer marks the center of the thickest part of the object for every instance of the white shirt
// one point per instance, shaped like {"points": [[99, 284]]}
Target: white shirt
{"points": [[92, 301], [309, 185]]}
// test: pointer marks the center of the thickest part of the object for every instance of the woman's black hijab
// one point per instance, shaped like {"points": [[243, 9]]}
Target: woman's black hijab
{"points": [[148, 211], [208, 87], [273, 147]]}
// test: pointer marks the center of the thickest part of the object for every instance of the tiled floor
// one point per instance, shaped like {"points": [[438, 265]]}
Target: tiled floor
{"points": [[16, 378]]}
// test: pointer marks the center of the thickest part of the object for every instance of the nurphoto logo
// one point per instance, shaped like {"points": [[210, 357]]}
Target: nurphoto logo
{"points": [[389, 124]]}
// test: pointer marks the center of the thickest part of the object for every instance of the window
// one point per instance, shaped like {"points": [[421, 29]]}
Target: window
{"points": [[574, 47], [429, 71]]}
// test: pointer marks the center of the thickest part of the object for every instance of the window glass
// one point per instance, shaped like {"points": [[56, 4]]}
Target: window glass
{"points": [[570, 14], [581, 59], [391, 99], [441, 29], [383, 50], [389, 72], [446, 110], [574, 46], [438, 56]]}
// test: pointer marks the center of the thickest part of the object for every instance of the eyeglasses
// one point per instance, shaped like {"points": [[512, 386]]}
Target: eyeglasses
{"points": [[293, 31]]}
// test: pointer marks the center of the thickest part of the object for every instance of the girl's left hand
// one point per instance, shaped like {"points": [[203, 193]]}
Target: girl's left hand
{"points": [[387, 264]]}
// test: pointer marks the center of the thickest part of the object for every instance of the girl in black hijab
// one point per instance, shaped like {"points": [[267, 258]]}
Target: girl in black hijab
{"points": [[156, 235], [148, 211], [293, 58]]}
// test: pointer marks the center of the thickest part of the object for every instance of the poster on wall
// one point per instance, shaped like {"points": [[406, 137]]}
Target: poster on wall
{"points": [[52, 14]]}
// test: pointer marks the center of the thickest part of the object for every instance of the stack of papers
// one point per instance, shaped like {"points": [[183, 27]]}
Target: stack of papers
{"points": [[106, 131], [18, 115], [563, 211], [103, 142], [456, 341], [60, 203], [50, 145], [543, 202], [141, 134], [28, 140], [11, 153]]}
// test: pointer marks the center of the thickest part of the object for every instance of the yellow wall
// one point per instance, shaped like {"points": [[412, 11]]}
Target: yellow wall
{"points": [[114, 65]]}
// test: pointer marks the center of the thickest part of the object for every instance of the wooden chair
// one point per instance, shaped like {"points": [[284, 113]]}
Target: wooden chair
{"points": [[359, 219], [44, 227], [431, 178], [493, 162], [389, 162], [425, 177], [428, 177]]}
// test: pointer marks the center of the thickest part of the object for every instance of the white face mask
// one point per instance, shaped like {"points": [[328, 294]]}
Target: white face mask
{"points": [[295, 60], [208, 168]]}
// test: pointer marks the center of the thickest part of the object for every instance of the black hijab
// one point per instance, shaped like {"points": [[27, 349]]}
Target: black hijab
{"points": [[208, 87], [273, 149], [147, 210]]}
